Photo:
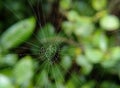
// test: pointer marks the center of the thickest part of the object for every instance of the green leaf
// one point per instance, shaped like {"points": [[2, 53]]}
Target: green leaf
{"points": [[65, 4], [99, 4], [42, 79], [78, 24], [18, 33], [112, 58], [68, 27], [73, 15], [90, 84], [94, 55], [109, 85], [84, 63], [109, 63], [56, 73], [5, 82], [23, 71], [47, 31], [9, 59], [100, 40], [1, 51], [109, 22], [82, 27], [70, 84], [115, 53], [66, 62]]}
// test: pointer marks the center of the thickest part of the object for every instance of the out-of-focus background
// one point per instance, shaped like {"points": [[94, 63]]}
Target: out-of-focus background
{"points": [[59, 43]]}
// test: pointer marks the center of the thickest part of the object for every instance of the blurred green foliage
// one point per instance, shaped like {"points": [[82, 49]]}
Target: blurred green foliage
{"points": [[84, 54]]}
